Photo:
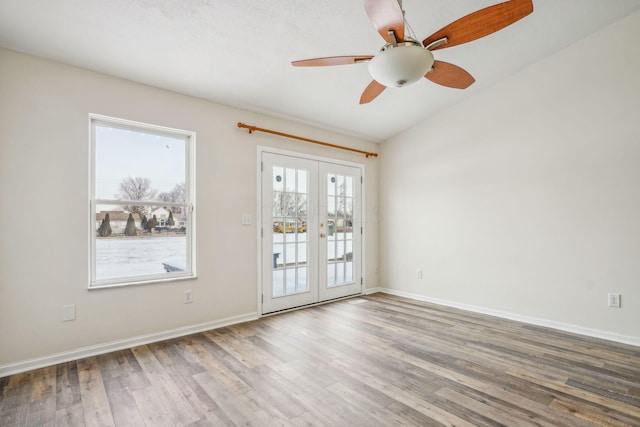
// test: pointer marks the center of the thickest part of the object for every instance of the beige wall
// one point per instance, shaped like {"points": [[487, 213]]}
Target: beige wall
{"points": [[44, 167], [525, 198]]}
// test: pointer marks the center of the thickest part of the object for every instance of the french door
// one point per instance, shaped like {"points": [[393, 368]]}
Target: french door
{"points": [[311, 231]]}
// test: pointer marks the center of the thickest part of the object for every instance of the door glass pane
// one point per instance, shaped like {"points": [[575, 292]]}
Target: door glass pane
{"points": [[340, 250], [341, 191], [278, 228], [290, 236], [302, 182], [290, 180], [301, 256], [290, 281], [278, 256], [303, 285], [331, 274], [331, 207], [349, 186], [290, 254], [340, 273], [278, 198], [302, 205], [289, 206], [331, 185], [278, 283], [290, 247], [278, 178], [340, 203]]}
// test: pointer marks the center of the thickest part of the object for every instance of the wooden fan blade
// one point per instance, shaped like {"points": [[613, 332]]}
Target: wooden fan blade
{"points": [[449, 75], [386, 15], [331, 60], [481, 23], [371, 92]]}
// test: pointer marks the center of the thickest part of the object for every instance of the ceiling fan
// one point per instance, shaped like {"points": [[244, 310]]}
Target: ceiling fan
{"points": [[404, 60]]}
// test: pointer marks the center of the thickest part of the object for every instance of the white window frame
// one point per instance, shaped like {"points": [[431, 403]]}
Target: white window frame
{"points": [[189, 204]]}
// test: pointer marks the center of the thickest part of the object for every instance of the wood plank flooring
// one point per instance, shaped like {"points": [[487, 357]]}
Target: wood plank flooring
{"points": [[378, 360]]}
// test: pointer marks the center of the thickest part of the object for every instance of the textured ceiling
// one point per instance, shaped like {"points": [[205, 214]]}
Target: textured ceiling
{"points": [[238, 52]]}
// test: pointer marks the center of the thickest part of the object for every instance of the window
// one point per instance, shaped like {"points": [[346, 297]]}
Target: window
{"points": [[142, 199]]}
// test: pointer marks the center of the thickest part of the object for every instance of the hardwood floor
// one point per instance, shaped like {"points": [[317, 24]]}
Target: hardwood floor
{"points": [[371, 361]]}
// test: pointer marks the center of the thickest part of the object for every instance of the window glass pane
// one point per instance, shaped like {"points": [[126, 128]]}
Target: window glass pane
{"points": [[349, 273], [138, 165], [129, 245]]}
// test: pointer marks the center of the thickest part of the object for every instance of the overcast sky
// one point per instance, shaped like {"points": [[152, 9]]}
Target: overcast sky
{"points": [[121, 153]]}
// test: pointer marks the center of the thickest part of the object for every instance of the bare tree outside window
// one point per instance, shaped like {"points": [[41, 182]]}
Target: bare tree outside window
{"points": [[137, 188], [176, 195]]}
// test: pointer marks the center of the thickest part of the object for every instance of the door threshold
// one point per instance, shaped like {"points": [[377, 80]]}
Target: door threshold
{"points": [[313, 304]]}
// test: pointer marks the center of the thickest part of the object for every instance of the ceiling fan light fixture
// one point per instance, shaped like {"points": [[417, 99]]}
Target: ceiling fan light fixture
{"points": [[401, 65]]}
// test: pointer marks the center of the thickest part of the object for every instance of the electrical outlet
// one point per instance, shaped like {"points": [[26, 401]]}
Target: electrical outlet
{"points": [[614, 300], [68, 312], [419, 273], [188, 297]]}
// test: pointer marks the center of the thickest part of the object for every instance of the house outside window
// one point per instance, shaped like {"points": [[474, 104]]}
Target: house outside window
{"points": [[142, 203]]}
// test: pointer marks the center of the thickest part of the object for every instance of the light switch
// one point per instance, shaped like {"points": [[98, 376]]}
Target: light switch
{"points": [[246, 219]]}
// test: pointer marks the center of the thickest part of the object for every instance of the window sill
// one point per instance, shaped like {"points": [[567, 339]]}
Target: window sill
{"points": [[141, 282]]}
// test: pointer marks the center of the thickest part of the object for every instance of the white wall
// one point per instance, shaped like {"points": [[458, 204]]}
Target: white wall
{"points": [[525, 199], [44, 167]]}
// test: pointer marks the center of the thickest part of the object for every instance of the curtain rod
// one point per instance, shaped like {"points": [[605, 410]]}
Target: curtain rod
{"points": [[313, 141]]}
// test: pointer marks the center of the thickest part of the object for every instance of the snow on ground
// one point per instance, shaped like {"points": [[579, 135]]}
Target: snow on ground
{"points": [[128, 257]]}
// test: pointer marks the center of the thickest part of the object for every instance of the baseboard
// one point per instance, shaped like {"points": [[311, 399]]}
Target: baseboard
{"points": [[372, 291], [95, 350], [566, 327]]}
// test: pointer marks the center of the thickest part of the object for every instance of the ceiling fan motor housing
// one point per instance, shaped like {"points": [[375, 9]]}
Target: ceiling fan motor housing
{"points": [[401, 65]]}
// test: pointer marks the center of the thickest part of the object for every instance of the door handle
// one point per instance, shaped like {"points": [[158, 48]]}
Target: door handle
{"points": [[323, 235]]}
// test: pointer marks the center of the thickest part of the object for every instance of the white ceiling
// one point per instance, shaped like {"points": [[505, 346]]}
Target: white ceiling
{"points": [[238, 52]]}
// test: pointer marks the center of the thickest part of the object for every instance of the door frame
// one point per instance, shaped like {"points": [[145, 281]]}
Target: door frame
{"points": [[259, 225]]}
